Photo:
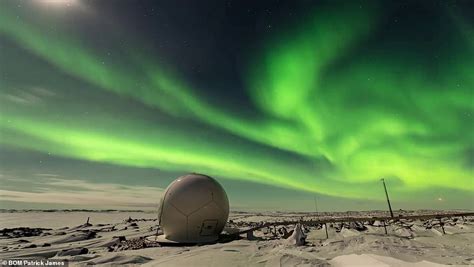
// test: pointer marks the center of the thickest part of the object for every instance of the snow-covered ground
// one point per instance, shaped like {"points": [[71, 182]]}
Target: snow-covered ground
{"points": [[112, 238]]}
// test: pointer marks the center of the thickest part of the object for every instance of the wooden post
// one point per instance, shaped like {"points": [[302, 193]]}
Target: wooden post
{"points": [[326, 228], [250, 235], [442, 225], [385, 226], [87, 220]]}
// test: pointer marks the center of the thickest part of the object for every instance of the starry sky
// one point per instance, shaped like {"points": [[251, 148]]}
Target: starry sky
{"points": [[104, 103]]}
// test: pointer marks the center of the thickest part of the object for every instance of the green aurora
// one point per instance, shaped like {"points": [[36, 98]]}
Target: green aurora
{"points": [[332, 110]]}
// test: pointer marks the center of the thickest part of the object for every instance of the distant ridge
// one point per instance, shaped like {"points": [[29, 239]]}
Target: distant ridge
{"points": [[283, 212], [69, 210]]}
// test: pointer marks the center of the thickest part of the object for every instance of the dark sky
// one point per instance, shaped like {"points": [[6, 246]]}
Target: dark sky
{"points": [[103, 103]]}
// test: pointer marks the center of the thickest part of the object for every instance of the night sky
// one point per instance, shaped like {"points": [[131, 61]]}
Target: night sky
{"points": [[103, 103]]}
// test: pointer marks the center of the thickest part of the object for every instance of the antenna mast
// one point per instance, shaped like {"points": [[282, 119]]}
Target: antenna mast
{"points": [[388, 200]]}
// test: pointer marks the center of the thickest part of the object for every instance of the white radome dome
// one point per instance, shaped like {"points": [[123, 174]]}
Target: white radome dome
{"points": [[194, 209]]}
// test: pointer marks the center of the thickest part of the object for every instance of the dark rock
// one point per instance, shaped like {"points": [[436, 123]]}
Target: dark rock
{"points": [[21, 232], [91, 235], [73, 252], [120, 238], [357, 226]]}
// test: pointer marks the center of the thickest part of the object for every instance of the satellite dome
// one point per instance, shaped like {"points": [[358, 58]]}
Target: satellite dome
{"points": [[194, 209]]}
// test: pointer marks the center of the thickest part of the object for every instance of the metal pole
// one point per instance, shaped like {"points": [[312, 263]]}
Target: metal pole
{"points": [[388, 200], [315, 204]]}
